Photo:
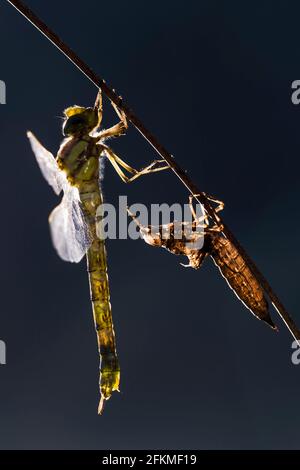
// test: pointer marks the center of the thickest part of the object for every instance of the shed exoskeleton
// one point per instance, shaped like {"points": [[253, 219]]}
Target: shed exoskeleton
{"points": [[225, 255]]}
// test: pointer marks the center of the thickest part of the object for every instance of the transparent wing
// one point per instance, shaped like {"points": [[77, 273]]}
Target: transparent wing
{"points": [[69, 231], [47, 164]]}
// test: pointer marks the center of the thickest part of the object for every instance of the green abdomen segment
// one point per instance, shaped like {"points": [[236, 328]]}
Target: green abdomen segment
{"points": [[100, 297], [109, 364]]}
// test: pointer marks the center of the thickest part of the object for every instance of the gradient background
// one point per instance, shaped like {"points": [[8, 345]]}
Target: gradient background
{"points": [[212, 80]]}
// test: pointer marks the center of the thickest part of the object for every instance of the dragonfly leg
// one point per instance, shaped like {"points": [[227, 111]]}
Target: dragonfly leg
{"points": [[152, 168], [216, 228], [121, 115], [118, 164], [99, 106], [197, 219], [219, 207], [116, 130], [134, 217]]}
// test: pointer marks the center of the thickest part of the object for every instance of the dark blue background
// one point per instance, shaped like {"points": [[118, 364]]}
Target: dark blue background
{"points": [[212, 80]]}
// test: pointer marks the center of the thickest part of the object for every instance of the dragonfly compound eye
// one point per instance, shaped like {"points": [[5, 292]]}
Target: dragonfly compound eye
{"points": [[74, 125], [79, 121]]}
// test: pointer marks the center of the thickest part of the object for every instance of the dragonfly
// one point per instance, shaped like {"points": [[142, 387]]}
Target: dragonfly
{"points": [[76, 171], [186, 237]]}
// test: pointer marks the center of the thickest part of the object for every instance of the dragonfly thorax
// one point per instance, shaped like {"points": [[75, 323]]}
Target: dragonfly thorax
{"points": [[78, 157]]}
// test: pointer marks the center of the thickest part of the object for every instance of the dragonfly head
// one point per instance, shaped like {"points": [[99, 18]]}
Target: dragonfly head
{"points": [[79, 121]]}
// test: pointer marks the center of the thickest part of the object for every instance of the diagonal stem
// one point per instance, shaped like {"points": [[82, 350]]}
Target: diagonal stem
{"points": [[179, 172]]}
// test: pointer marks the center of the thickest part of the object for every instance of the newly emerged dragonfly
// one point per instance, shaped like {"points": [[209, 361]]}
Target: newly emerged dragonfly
{"points": [[225, 255], [76, 172]]}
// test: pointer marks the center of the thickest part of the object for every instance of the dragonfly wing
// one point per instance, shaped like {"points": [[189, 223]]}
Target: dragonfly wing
{"points": [[70, 233], [48, 165], [69, 230]]}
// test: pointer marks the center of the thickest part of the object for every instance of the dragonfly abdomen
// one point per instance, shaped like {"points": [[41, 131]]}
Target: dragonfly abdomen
{"points": [[239, 276], [100, 296]]}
